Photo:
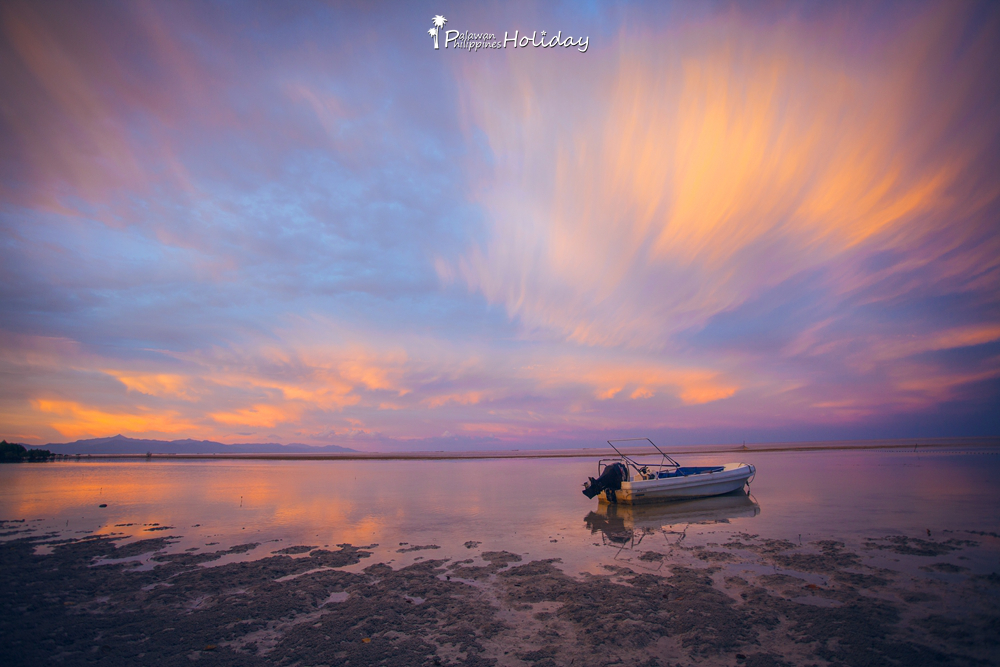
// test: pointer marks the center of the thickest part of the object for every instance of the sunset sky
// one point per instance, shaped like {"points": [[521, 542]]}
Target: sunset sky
{"points": [[298, 222]]}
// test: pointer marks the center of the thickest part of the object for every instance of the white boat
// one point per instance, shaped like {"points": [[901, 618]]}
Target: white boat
{"points": [[628, 481]]}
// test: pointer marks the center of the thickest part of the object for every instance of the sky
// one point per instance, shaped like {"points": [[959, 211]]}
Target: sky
{"points": [[299, 222]]}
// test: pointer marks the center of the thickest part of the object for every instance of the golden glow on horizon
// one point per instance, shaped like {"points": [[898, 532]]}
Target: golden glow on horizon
{"points": [[73, 420]]}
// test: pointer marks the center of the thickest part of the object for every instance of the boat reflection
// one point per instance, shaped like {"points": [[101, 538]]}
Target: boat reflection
{"points": [[625, 525]]}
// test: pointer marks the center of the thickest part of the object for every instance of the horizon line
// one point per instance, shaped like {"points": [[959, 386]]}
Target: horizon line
{"points": [[577, 452]]}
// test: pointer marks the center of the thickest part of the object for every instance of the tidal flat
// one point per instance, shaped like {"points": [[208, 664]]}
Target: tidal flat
{"points": [[817, 565]]}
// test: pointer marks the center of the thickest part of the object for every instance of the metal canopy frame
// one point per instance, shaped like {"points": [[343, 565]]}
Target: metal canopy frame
{"points": [[665, 462]]}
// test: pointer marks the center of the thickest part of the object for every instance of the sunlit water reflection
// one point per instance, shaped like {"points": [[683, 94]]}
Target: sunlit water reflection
{"points": [[531, 507]]}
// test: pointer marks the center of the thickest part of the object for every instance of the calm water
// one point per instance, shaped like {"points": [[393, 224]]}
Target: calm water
{"points": [[528, 506]]}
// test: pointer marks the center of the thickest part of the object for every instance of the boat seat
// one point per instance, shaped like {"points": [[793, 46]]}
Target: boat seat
{"points": [[684, 471]]}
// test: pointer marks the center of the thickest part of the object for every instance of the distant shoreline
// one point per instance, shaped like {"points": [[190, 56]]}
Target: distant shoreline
{"points": [[596, 452]]}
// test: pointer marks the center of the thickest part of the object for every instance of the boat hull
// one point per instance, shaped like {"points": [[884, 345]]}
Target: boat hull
{"points": [[732, 476]]}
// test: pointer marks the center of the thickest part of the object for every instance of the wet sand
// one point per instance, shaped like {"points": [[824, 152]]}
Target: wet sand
{"points": [[748, 600]]}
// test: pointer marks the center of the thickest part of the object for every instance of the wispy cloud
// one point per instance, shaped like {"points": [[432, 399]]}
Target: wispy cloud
{"points": [[715, 221]]}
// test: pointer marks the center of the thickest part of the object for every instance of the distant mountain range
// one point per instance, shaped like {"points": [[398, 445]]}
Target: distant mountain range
{"points": [[119, 444]]}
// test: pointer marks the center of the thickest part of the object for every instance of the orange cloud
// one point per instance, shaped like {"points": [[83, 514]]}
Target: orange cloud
{"points": [[699, 393], [461, 398], [73, 420], [261, 415], [704, 174], [605, 394], [607, 380], [375, 372], [155, 384]]}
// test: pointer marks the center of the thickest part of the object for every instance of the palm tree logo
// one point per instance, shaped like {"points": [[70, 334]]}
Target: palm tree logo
{"points": [[438, 22]]}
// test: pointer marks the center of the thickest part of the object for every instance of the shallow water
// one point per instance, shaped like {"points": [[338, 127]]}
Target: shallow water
{"points": [[528, 506]]}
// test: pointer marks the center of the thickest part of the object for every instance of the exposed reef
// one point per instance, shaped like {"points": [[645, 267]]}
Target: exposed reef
{"points": [[750, 601]]}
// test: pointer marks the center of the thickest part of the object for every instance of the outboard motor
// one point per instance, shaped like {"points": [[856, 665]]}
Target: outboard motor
{"points": [[610, 480]]}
